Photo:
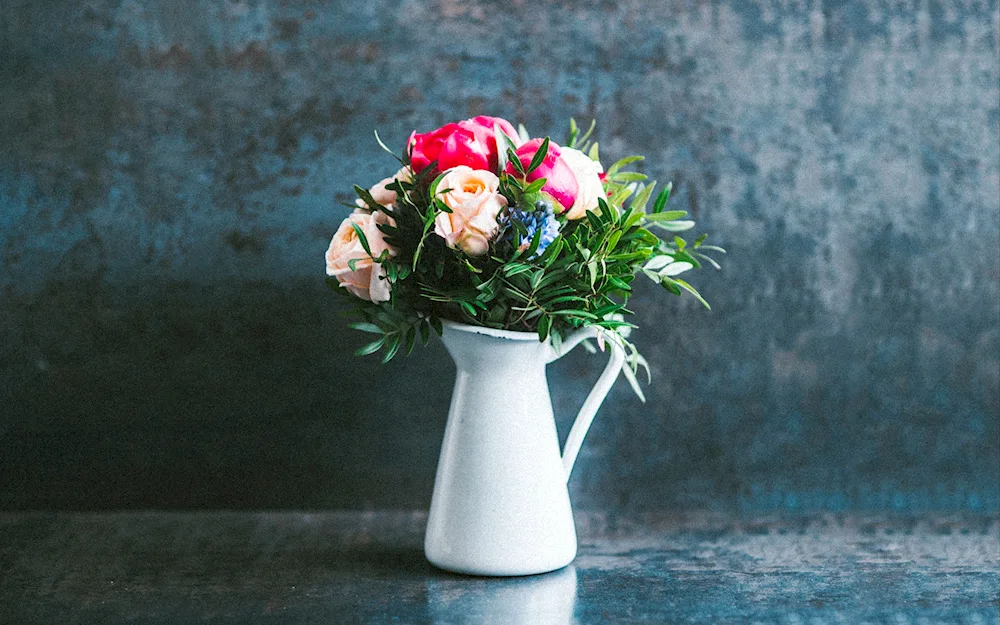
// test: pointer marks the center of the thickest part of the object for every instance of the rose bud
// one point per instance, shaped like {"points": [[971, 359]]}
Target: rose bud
{"points": [[560, 182], [482, 126], [470, 143]]}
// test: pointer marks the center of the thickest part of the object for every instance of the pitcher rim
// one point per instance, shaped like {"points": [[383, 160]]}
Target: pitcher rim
{"points": [[511, 335]]}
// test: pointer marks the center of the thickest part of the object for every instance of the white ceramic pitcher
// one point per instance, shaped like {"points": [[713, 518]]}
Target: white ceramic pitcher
{"points": [[501, 505]]}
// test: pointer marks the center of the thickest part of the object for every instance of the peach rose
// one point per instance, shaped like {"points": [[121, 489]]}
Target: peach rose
{"points": [[475, 205], [588, 178], [366, 280], [387, 197]]}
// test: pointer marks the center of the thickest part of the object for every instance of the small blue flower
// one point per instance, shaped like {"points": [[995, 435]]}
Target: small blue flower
{"points": [[542, 218]]}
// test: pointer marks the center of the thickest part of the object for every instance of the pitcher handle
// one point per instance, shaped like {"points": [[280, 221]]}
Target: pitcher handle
{"points": [[596, 397]]}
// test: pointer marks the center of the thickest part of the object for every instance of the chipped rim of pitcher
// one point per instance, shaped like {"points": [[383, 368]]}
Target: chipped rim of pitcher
{"points": [[500, 334]]}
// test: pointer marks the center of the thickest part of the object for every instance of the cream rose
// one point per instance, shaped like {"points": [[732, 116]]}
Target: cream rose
{"points": [[367, 279], [587, 172], [387, 197], [472, 196]]}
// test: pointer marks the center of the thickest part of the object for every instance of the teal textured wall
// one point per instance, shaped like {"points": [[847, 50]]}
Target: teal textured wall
{"points": [[169, 178]]}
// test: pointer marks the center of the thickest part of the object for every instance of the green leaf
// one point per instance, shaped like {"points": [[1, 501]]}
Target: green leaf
{"points": [[648, 237], [632, 220], [393, 347], [619, 283], [606, 212], [592, 268], [426, 173], [367, 198], [628, 176], [536, 277], [512, 269], [642, 196], [522, 132], [553, 251], [594, 151], [504, 143], [618, 197], [533, 246], [575, 312], [685, 256], [590, 131], [613, 240], [539, 157], [512, 183], [690, 289], [614, 323], [623, 162], [366, 327], [467, 307], [370, 348], [573, 132], [434, 185], [709, 259], [562, 299], [488, 284], [551, 277], [386, 148], [361, 237], [604, 311], [513, 158], [663, 198], [713, 248], [675, 226], [670, 284], [677, 268], [543, 328], [535, 186], [409, 339]]}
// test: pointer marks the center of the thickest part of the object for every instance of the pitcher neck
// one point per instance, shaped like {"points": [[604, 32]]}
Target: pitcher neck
{"points": [[478, 349]]}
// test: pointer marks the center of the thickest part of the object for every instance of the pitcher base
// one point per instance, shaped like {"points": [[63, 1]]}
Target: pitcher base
{"points": [[499, 569]]}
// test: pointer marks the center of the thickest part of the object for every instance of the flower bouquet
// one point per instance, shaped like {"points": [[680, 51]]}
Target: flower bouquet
{"points": [[513, 250], [484, 225]]}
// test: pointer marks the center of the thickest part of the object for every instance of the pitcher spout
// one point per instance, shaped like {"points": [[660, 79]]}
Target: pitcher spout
{"points": [[476, 348]]}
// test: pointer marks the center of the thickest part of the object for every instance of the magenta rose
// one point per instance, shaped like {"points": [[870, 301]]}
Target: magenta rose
{"points": [[471, 143], [482, 127], [560, 181]]}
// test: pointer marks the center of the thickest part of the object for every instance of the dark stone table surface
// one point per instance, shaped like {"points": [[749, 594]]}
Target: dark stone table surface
{"points": [[368, 567]]}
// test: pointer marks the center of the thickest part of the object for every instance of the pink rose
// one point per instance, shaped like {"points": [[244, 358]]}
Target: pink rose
{"points": [[475, 204], [471, 143], [560, 183], [366, 280], [426, 148], [384, 196], [482, 127]]}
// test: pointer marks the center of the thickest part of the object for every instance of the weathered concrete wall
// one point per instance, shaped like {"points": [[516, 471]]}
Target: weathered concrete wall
{"points": [[169, 174]]}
